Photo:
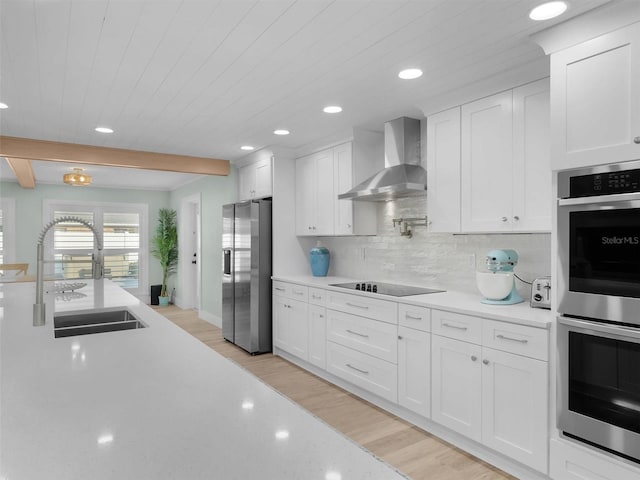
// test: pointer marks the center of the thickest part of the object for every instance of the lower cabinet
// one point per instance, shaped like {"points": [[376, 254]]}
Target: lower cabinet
{"points": [[496, 398], [414, 373], [290, 326], [317, 336]]}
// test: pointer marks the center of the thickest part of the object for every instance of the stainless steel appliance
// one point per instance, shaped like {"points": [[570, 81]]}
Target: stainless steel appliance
{"points": [[599, 242], [541, 293], [599, 307], [386, 288], [246, 275]]}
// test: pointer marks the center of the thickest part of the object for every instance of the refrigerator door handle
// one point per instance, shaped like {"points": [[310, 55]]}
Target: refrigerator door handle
{"points": [[227, 262]]}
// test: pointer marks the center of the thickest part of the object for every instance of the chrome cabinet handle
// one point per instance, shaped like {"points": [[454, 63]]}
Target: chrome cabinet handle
{"points": [[298, 292], [359, 334], [516, 218], [473, 358], [454, 326], [411, 317], [321, 316], [357, 369], [399, 337], [519, 340], [485, 361], [636, 140], [504, 219], [279, 289], [313, 295], [365, 307]]}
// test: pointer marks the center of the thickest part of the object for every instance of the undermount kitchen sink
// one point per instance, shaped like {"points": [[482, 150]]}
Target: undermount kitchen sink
{"points": [[94, 322]]}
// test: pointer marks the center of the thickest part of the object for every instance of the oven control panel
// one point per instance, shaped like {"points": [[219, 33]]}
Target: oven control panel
{"points": [[609, 183]]}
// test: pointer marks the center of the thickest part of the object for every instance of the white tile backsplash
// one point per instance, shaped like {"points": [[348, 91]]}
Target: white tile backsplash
{"points": [[440, 260]]}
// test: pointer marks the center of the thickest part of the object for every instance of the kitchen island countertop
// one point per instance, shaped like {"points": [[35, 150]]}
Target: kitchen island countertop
{"points": [[459, 302], [152, 403]]}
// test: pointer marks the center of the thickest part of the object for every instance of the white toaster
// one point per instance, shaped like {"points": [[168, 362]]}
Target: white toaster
{"points": [[541, 293]]}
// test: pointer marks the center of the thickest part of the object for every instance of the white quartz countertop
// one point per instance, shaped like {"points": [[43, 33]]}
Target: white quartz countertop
{"points": [[452, 301], [152, 403]]}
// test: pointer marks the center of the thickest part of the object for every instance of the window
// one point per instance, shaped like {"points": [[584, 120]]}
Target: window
{"points": [[7, 230], [120, 228]]}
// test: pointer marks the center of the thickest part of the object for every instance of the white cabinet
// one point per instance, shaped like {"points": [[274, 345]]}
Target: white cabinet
{"points": [[320, 178], [255, 180], [315, 194], [290, 319], [505, 169], [317, 336], [493, 396], [443, 171], [414, 372], [595, 99]]}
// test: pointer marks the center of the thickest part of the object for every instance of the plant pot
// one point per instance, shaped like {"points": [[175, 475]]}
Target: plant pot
{"points": [[163, 301]]}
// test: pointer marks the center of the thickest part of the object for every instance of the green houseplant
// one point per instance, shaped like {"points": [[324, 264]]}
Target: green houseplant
{"points": [[164, 247]]}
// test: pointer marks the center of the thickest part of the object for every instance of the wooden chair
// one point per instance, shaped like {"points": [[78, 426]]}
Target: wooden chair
{"points": [[13, 269]]}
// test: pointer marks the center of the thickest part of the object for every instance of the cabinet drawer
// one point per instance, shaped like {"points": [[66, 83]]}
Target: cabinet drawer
{"points": [[456, 325], [519, 339], [372, 374], [291, 290], [414, 317], [317, 296], [366, 335], [360, 305]]}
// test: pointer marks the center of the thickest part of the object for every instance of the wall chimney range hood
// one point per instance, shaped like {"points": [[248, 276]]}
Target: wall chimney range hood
{"points": [[403, 176]]}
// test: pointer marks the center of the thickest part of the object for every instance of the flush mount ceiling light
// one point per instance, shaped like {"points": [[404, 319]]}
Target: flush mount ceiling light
{"points": [[332, 109], [3, 106], [104, 130], [77, 179], [410, 73], [548, 10], [247, 147], [281, 131]]}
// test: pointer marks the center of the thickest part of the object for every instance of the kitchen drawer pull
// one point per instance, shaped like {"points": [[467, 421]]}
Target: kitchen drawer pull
{"points": [[364, 307], [279, 289], [359, 334], [455, 326], [485, 361], [313, 295], [411, 317], [357, 369], [519, 340], [298, 292]]}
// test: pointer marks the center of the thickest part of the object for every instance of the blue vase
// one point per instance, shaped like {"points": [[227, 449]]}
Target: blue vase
{"points": [[320, 257]]}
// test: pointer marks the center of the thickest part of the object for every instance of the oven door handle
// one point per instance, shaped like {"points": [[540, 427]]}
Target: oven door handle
{"points": [[619, 197], [614, 330]]}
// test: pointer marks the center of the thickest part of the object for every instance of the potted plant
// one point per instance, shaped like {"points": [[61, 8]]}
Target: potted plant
{"points": [[164, 246]]}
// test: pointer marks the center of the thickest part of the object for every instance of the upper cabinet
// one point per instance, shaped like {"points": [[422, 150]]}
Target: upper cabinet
{"points": [[505, 161], [320, 178], [595, 98], [255, 179]]}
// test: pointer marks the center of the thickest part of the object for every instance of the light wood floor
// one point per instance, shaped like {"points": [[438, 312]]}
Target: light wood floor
{"points": [[411, 450]]}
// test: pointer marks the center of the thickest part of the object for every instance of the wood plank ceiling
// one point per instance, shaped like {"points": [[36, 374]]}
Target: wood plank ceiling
{"points": [[202, 78]]}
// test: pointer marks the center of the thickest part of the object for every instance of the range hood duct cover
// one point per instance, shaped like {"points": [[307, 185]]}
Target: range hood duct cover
{"points": [[403, 176]]}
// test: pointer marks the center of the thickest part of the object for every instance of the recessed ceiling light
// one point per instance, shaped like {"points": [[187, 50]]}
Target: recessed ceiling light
{"points": [[548, 10], [332, 109], [246, 147], [281, 132], [410, 73], [104, 130], [3, 105]]}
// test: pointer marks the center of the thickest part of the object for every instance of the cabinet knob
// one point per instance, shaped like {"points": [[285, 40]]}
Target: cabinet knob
{"points": [[348, 225], [636, 140], [504, 219], [309, 227], [516, 218], [485, 361], [399, 337], [473, 358]]}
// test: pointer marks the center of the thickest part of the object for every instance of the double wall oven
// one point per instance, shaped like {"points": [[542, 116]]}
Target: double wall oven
{"points": [[599, 307]]}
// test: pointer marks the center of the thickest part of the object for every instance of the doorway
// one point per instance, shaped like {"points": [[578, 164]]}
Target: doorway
{"points": [[189, 270]]}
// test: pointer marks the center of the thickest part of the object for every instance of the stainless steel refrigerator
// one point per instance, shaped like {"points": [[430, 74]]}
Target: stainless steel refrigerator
{"points": [[246, 275]]}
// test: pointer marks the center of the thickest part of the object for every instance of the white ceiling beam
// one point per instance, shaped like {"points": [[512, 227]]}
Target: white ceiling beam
{"points": [[25, 148]]}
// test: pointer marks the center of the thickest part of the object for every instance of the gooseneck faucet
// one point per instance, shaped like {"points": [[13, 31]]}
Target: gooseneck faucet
{"points": [[39, 306]]}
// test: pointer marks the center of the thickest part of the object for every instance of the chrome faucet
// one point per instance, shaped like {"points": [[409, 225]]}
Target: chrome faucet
{"points": [[39, 306]]}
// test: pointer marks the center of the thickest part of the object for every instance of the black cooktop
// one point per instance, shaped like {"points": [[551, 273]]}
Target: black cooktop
{"points": [[386, 288]]}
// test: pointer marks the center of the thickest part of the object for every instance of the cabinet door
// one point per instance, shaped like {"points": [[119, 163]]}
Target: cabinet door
{"points": [[514, 414], [531, 158], [317, 336], [246, 182], [487, 172], [305, 195], [343, 181], [443, 171], [281, 331], [414, 370], [325, 198], [262, 179], [595, 99], [290, 326], [456, 386]]}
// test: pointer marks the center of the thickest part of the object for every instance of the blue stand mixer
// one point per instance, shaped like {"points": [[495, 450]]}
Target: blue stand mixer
{"points": [[497, 284]]}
